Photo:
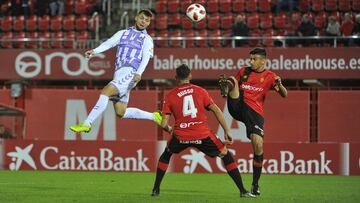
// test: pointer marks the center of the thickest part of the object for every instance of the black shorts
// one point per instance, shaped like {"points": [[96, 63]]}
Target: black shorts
{"points": [[211, 145], [240, 111]]}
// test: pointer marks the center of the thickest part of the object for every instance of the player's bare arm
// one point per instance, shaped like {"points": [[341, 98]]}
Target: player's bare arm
{"points": [[165, 124], [279, 87], [220, 117], [89, 53]]}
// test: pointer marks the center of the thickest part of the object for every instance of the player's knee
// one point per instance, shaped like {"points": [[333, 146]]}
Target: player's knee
{"points": [[223, 152], [120, 112]]}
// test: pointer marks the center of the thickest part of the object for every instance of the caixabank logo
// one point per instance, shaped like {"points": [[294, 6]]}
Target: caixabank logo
{"points": [[21, 156]]}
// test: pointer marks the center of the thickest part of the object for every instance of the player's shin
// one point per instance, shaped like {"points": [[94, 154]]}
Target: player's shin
{"points": [[161, 170], [257, 166], [233, 171]]}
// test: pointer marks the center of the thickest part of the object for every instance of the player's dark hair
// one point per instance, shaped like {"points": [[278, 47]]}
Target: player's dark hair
{"points": [[258, 51], [182, 72], [146, 12]]}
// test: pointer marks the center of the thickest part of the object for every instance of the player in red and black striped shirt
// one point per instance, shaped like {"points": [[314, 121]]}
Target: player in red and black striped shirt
{"points": [[187, 103], [245, 98]]}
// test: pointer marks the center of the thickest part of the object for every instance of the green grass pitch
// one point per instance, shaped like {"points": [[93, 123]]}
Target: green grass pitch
{"points": [[44, 186]]}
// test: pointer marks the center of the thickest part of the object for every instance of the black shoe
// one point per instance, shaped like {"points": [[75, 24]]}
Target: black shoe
{"points": [[155, 192], [247, 194], [223, 83], [255, 190]]}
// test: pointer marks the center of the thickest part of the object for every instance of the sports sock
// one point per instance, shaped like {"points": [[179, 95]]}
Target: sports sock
{"points": [[99, 107], [257, 166], [162, 167], [233, 171], [135, 113]]}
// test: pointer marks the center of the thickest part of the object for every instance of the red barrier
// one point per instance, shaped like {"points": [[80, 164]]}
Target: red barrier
{"points": [[338, 116]]}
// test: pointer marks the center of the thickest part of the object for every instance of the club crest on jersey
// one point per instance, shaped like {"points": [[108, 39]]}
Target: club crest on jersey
{"points": [[261, 79], [244, 77]]}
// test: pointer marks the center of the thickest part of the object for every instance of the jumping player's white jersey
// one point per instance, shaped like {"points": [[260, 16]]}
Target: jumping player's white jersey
{"points": [[135, 48]]}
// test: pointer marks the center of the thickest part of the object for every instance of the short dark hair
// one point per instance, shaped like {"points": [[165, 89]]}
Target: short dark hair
{"points": [[258, 51], [146, 12], [182, 72]]}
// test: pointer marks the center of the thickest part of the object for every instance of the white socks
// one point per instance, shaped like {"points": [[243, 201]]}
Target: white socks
{"points": [[135, 113], [98, 109]]}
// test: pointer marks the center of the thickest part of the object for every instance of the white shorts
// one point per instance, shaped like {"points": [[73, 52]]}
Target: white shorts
{"points": [[123, 81]]}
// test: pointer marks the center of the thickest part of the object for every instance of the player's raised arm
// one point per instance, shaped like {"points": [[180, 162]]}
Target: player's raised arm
{"points": [[279, 87], [220, 117], [165, 123]]}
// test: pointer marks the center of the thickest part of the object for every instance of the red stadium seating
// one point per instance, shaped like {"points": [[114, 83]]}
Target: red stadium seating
{"points": [[202, 43], [69, 7], [356, 5], [212, 6], [19, 44], [317, 5], [184, 4], [161, 22], [92, 22], [160, 6], [174, 19], [81, 39], [264, 6], [44, 23], [32, 44], [31, 23], [254, 42], [56, 23], [173, 6], [81, 7], [71, 36], [344, 5], [162, 43], [6, 23], [19, 23], [213, 21], [6, 44], [186, 23], [200, 25], [320, 20], [226, 21], [304, 5], [251, 5], [238, 6], [331, 5], [266, 21], [175, 43], [45, 36], [253, 21], [280, 21], [56, 43], [268, 42], [69, 23], [215, 42], [226, 33], [225, 6], [189, 43], [81, 23]]}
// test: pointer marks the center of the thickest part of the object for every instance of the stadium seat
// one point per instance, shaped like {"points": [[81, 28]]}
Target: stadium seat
{"points": [[161, 22], [81, 39], [32, 44], [6, 23], [337, 15], [69, 23], [173, 6], [6, 44], [317, 5], [225, 6], [268, 42], [253, 21], [203, 42], [320, 20], [226, 21], [71, 36], [189, 43], [56, 42], [264, 6], [344, 5], [162, 43], [304, 5], [251, 6], [81, 23], [31, 23], [92, 22], [280, 21], [356, 5], [200, 25], [44, 23], [213, 21], [45, 37], [174, 19], [56, 23], [212, 6], [254, 42], [184, 4], [175, 43], [266, 21], [186, 23], [81, 7], [215, 42], [69, 7], [238, 6], [331, 5], [19, 23], [226, 33], [19, 44], [160, 6]]}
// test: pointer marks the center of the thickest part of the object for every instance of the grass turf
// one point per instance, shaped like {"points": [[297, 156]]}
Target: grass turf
{"points": [[52, 186]]}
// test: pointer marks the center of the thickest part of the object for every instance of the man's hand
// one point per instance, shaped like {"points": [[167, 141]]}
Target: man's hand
{"points": [[228, 139], [137, 78], [277, 80], [89, 53]]}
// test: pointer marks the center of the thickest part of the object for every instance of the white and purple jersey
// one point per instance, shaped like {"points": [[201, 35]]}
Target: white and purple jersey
{"points": [[135, 48]]}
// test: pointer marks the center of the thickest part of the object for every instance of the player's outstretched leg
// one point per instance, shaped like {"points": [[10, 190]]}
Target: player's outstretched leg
{"points": [[161, 170], [227, 85], [234, 173]]}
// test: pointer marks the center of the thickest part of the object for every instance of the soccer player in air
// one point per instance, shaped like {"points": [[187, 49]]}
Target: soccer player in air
{"points": [[134, 50], [187, 103], [245, 97]]}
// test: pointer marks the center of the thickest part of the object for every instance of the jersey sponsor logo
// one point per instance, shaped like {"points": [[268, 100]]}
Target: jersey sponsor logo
{"points": [[190, 141], [187, 125], [19, 156], [251, 88]]}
